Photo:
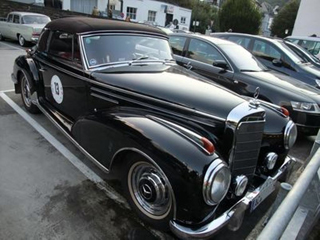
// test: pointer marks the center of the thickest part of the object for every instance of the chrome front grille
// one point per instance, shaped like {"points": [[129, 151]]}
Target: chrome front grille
{"points": [[247, 143]]}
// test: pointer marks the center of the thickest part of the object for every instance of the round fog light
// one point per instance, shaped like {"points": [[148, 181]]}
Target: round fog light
{"points": [[240, 185], [270, 160]]}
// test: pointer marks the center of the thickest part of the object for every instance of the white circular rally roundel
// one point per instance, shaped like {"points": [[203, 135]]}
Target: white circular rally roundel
{"points": [[57, 89]]}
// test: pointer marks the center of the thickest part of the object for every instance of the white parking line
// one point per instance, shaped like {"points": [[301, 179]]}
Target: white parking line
{"points": [[111, 193], [9, 90]]}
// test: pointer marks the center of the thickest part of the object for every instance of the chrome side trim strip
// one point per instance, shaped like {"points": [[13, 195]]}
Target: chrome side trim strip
{"points": [[88, 155], [63, 70], [153, 162], [151, 99], [104, 98]]}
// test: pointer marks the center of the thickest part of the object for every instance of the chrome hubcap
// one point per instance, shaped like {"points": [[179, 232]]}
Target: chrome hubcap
{"points": [[21, 40], [149, 190], [25, 91]]}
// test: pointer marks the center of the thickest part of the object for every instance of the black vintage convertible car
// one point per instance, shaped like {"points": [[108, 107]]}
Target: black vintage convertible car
{"points": [[193, 156]]}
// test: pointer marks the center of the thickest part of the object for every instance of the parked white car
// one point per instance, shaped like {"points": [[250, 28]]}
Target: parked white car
{"points": [[23, 26]]}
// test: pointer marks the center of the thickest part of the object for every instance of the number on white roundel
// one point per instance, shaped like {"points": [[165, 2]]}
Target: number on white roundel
{"points": [[57, 89]]}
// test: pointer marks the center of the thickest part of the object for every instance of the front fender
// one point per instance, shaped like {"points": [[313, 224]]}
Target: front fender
{"points": [[27, 66], [104, 135]]}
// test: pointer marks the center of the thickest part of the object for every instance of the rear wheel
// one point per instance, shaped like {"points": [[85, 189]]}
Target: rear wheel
{"points": [[26, 95], [22, 41], [148, 192]]}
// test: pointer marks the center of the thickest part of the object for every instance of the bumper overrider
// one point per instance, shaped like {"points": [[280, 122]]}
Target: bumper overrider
{"points": [[232, 216]]}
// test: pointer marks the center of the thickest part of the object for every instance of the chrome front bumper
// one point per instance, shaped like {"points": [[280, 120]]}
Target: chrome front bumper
{"points": [[236, 210]]}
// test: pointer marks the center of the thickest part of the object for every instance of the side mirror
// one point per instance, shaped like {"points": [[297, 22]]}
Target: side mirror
{"points": [[221, 64], [277, 62]]}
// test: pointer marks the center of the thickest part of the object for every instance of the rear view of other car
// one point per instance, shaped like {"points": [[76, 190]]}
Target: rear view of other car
{"points": [[277, 56]]}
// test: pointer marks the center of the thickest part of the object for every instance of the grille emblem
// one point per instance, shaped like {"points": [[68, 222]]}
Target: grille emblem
{"points": [[254, 103], [256, 93]]}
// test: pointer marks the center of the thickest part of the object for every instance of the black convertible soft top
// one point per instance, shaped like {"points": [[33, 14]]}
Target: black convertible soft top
{"points": [[86, 24]]}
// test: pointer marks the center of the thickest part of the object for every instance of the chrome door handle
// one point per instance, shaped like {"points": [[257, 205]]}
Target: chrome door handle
{"points": [[188, 66], [42, 69], [235, 81]]}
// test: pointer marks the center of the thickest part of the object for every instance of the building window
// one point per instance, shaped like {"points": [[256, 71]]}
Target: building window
{"points": [[132, 13], [183, 20], [152, 16]]}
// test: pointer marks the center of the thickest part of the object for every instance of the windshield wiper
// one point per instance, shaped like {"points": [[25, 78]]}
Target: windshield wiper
{"points": [[141, 58], [248, 70]]}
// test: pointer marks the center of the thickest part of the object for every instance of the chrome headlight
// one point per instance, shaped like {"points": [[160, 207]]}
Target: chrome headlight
{"points": [[290, 135], [216, 182], [305, 107]]}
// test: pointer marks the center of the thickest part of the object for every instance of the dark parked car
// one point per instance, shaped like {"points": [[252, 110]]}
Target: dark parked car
{"points": [[192, 156], [303, 53], [233, 67], [311, 44], [276, 55]]}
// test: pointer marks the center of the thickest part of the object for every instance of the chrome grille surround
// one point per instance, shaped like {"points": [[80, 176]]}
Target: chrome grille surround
{"points": [[247, 124]]}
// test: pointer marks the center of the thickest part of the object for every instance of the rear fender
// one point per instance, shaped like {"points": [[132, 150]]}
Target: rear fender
{"points": [[26, 66]]}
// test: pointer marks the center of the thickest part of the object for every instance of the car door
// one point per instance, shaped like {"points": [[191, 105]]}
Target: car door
{"points": [[272, 57], [14, 28], [205, 59], [62, 73], [6, 32], [177, 44]]}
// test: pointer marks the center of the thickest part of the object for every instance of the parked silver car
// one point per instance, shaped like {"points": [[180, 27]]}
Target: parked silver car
{"points": [[23, 26]]}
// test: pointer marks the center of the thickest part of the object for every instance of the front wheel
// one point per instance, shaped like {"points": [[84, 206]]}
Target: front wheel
{"points": [[26, 96], [149, 192]]}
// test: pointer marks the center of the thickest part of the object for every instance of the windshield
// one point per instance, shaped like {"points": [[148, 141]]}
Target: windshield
{"points": [[34, 19], [110, 49], [307, 56], [242, 58], [291, 54]]}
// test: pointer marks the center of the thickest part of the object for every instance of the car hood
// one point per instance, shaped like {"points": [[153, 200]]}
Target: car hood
{"points": [[176, 86], [282, 82], [311, 69]]}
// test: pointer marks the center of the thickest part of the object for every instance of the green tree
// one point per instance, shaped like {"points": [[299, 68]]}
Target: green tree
{"points": [[240, 16], [285, 19], [204, 13]]}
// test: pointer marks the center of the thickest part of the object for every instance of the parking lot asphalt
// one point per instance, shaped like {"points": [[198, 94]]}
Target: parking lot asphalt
{"points": [[44, 195]]}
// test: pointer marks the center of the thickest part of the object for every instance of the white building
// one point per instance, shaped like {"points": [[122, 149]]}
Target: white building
{"points": [[308, 19], [143, 11]]}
